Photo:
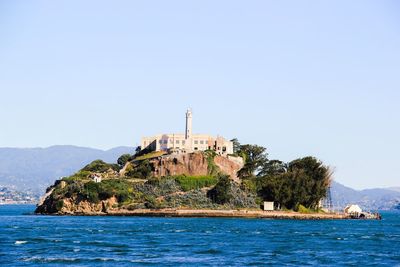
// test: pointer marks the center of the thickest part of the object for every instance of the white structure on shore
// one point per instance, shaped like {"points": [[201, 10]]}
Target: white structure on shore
{"points": [[187, 142], [352, 209]]}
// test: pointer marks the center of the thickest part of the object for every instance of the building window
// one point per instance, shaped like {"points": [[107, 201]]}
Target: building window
{"points": [[224, 148], [183, 142], [165, 141], [196, 148], [201, 142], [177, 141], [196, 142]]}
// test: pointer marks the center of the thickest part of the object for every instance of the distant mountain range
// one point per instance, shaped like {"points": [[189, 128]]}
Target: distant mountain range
{"points": [[397, 189], [34, 169], [369, 199]]}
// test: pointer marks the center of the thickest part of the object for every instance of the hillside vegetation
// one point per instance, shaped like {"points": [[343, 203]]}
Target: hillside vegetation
{"points": [[129, 184]]}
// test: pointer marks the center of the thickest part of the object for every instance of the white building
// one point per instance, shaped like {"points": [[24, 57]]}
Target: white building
{"points": [[187, 142], [352, 209], [97, 178]]}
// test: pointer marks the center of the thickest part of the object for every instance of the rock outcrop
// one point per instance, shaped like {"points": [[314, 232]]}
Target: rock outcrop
{"points": [[194, 164], [73, 206], [85, 207]]}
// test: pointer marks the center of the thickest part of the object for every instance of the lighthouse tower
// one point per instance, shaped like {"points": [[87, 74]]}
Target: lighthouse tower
{"points": [[188, 132]]}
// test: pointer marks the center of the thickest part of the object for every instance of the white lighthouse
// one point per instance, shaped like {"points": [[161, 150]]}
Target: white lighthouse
{"points": [[188, 133]]}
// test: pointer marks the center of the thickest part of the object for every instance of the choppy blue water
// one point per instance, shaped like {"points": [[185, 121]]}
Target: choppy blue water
{"points": [[28, 240]]}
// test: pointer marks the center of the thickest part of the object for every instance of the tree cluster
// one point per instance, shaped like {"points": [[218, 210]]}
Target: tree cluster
{"points": [[304, 181]]}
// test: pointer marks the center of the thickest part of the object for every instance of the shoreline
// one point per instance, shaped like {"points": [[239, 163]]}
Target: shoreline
{"points": [[208, 213]]}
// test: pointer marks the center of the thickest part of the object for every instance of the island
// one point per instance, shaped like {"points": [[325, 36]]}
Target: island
{"points": [[194, 175]]}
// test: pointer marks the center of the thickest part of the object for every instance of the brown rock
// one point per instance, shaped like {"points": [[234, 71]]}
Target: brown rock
{"points": [[194, 164], [63, 184], [229, 165]]}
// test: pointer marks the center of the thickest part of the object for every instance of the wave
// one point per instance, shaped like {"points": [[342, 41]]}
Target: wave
{"points": [[49, 259]]}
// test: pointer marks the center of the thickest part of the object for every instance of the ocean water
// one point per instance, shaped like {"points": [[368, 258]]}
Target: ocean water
{"points": [[29, 240]]}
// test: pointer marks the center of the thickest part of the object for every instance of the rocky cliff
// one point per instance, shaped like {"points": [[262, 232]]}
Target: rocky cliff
{"points": [[74, 206], [195, 164]]}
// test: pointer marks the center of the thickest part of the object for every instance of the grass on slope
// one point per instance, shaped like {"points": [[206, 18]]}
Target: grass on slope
{"points": [[150, 155], [188, 183]]}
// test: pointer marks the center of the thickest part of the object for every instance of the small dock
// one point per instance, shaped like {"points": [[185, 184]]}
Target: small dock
{"points": [[366, 216], [355, 212]]}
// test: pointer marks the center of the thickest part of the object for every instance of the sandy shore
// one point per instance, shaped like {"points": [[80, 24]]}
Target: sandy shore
{"points": [[222, 213]]}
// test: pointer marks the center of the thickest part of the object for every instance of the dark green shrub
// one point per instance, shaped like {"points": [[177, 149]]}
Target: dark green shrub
{"points": [[221, 192], [80, 175], [123, 196], [142, 170], [73, 189], [123, 159], [91, 191], [115, 187], [104, 194], [100, 166], [59, 204], [230, 194], [249, 185], [300, 208], [93, 197], [151, 202]]}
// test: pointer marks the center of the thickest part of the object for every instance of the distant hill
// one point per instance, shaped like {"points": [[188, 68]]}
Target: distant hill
{"points": [[369, 199], [35, 169], [397, 189]]}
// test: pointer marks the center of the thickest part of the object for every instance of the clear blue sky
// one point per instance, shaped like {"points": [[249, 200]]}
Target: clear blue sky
{"points": [[301, 78]]}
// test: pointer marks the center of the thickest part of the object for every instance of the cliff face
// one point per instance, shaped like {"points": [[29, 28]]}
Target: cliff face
{"points": [[85, 207], [230, 165], [75, 206], [194, 164]]}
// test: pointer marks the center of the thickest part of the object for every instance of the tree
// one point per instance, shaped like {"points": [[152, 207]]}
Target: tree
{"points": [[273, 167], [122, 160], [301, 182], [319, 178], [236, 145], [221, 192], [255, 157], [100, 166]]}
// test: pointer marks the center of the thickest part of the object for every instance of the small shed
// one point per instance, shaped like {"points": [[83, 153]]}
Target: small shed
{"points": [[268, 205]]}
